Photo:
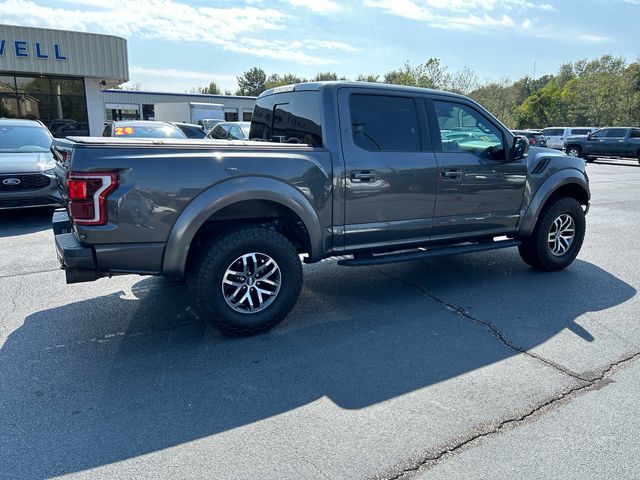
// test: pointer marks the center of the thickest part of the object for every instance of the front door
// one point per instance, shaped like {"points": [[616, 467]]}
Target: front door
{"points": [[480, 190], [390, 171]]}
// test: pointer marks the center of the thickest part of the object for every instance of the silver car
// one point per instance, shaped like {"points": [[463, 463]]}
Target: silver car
{"points": [[27, 165], [557, 135]]}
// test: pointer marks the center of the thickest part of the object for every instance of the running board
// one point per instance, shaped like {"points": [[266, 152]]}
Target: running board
{"points": [[365, 260]]}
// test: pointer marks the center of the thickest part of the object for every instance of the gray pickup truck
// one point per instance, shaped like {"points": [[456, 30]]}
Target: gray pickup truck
{"points": [[372, 173], [615, 142]]}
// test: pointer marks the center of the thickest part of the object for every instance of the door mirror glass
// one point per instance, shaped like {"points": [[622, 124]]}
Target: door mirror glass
{"points": [[520, 148]]}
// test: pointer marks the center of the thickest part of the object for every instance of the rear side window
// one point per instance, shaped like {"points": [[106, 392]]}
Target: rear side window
{"points": [[288, 118], [635, 133], [384, 123], [580, 131], [553, 132], [616, 133]]}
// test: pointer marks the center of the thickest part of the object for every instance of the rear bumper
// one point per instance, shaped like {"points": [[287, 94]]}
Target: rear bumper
{"points": [[84, 263], [77, 260]]}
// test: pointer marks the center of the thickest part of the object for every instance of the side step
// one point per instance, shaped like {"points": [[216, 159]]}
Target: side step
{"points": [[362, 261]]}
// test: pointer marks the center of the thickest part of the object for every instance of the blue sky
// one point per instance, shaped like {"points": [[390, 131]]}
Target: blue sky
{"points": [[175, 45]]}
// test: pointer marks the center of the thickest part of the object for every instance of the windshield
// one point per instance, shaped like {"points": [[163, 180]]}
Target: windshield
{"points": [[19, 138], [147, 131]]}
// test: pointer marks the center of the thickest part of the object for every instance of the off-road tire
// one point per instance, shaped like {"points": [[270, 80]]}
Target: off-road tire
{"points": [[535, 249], [205, 276]]}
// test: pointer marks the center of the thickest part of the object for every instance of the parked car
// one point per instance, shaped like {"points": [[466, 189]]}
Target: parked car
{"points": [[27, 177], [235, 226], [556, 135], [536, 139], [142, 129], [230, 131], [190, 130], [607, 142]]}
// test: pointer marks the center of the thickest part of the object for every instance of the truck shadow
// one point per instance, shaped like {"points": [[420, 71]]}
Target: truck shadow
{"points": [[118, 376]]}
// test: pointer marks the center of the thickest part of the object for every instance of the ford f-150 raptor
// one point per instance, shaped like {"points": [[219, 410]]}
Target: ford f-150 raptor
{"points": [[368, 172]]}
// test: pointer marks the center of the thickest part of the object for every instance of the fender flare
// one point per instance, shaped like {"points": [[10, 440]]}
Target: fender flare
{"points": [[544, 192], [227, 193]]}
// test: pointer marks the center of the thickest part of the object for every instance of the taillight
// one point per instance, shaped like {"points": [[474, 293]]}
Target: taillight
{"points": [[87, 194], [532, 141]]}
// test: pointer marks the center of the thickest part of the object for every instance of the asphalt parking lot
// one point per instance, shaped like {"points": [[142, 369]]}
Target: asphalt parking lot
{"points": [[472, 366]]}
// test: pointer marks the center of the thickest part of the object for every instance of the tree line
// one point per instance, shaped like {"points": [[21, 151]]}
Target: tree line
{"points": [[594, 93]]}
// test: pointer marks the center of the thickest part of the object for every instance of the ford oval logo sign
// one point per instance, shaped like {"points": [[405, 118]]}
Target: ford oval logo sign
{"points": [[11, 181]]}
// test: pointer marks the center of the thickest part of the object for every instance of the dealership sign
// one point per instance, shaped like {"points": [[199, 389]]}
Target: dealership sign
{"points": [[22, 49]]}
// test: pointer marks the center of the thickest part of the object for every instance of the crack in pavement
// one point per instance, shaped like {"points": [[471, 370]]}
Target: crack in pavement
{"points": [[488, 325], [430, 460], [585, 384], [22, 274]]}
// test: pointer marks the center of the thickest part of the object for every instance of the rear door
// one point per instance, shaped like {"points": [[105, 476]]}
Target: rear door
{"points": [[480, 190], [391, 171], [614, 143], [555, 137], [633, 143]]}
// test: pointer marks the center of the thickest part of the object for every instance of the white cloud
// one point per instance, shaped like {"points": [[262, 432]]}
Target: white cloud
{"points": [[595, 38], [458, 14], [234, 29], [317, 6]]}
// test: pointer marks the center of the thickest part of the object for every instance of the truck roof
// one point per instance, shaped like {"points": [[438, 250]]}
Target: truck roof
{"points": [[316, 86]]}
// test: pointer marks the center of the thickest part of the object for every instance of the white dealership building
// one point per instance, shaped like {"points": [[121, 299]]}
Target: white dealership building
{"points": [[63, 78]]}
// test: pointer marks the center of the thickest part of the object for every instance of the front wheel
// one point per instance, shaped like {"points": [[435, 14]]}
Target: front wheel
{"points": [[246, 281], [557, 237]]}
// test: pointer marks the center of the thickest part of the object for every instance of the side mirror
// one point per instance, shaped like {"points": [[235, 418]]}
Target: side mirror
{"points": [[520, 148]]}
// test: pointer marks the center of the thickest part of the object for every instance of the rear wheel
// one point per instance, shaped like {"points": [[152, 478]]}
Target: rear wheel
{"points": [[574, 151], [557, 237], [246, 281]]}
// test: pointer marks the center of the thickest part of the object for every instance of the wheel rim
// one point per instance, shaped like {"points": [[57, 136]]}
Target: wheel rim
{"points": [[572, 152], [251, 282], [561, 234]]}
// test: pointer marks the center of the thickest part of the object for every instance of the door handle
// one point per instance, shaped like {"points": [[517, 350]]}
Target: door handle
{"points": [[452, 174], [363, 176]]}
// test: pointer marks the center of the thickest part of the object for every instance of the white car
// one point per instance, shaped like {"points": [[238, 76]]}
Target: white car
{"points": [[556, 135]]}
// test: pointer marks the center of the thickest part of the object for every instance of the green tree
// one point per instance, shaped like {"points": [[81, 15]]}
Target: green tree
{"points": [[368, 78], [276, 80], [252, 82]]}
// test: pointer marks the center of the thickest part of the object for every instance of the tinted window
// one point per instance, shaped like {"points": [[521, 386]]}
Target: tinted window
{"points": [[580, 131], [218, 132], [288, 117], [616, 132], [635, 133], [463, 129], [553, 132], [192, 132], [24, 139], [385, 123]]}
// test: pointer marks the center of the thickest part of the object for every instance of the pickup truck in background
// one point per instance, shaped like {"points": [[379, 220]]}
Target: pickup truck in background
{"points": [[373, 173], [606, 142]]}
